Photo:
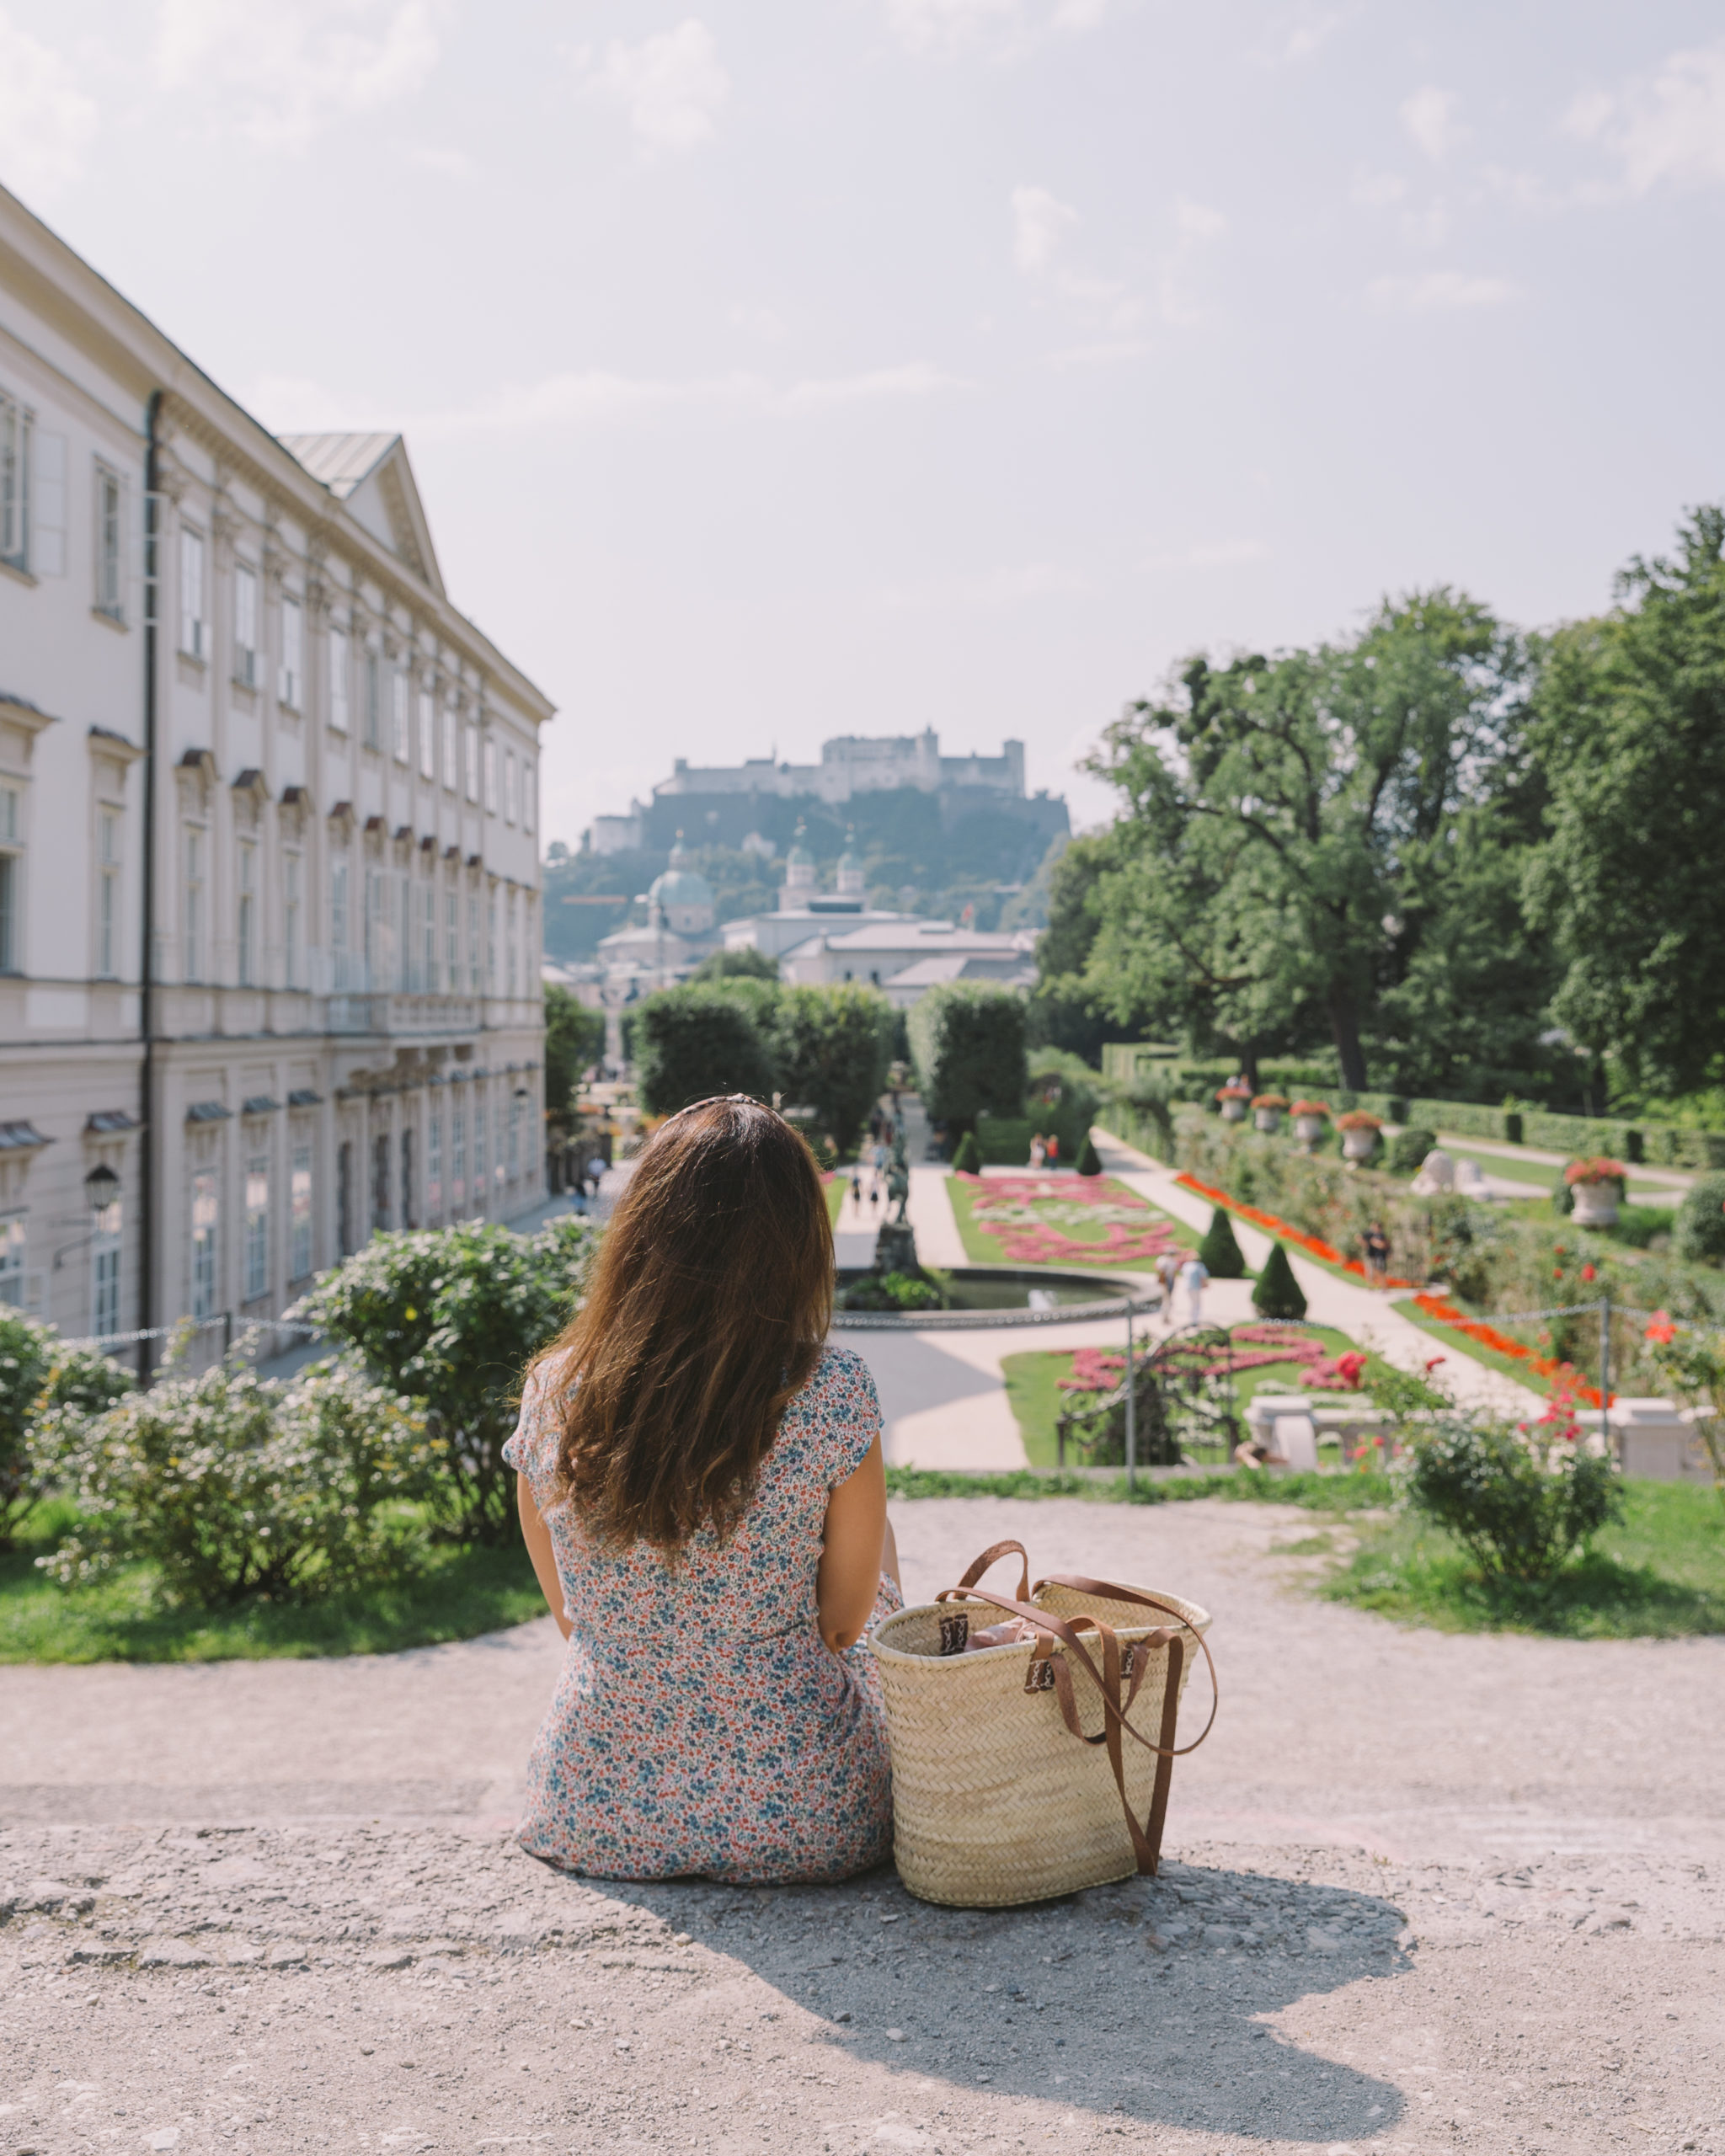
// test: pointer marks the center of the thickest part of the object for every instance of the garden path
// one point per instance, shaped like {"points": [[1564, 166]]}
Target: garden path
{"points": [[1428, 1892], [1364, 1314]]}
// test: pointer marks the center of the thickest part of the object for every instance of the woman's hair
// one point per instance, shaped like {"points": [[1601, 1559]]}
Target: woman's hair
{"points": [[709, 1301]]}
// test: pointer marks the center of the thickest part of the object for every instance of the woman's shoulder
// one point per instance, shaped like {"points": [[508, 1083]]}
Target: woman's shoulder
{"points": [[835, 1417], [840, 1373]]}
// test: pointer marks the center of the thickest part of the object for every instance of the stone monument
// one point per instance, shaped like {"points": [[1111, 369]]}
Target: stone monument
{"points": [[895, 1246]]}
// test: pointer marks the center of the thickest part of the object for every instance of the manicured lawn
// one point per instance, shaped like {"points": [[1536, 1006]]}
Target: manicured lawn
{"points": [[450, 1594], [1033, 1387], [1548, 1174], [1320, 1493], [1073, 1218], [1659, 1574], [835, 1195]]}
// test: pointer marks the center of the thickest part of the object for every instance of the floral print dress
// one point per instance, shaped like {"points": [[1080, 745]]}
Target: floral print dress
{"points": [[700, 1723]]}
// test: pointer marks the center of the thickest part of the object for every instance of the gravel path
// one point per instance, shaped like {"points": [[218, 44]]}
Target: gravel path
{"points": [[1426, 1892]]}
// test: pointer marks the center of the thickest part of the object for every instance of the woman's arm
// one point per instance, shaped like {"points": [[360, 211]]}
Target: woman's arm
{"points": [[857, 1538], [537, 1536]]}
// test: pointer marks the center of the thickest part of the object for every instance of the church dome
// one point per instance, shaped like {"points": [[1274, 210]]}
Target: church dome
{"points": [[679, 887], [850, 869]]}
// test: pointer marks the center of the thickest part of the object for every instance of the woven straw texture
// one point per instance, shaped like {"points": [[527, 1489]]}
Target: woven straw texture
{"points": [[995, 1802]]}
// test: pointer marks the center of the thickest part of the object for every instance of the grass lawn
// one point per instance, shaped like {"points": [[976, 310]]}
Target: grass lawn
{"points": [[452, 1595], [1658, 1573], [1547, 1174], [1320, 1493], [985, 1250], [835, 1196], [1032, 1387]]}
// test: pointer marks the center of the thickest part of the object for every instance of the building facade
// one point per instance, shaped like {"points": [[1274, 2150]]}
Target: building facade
{"points": [[269, 866]]}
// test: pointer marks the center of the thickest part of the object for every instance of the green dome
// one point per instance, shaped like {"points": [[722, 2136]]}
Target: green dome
{"points": [[799, 856], [679, 887]]}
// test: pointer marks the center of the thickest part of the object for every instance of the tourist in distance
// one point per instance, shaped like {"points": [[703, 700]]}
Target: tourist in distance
{"points": [[703, 1491], [1038, 1154], [1194, 1275], [1376, 1245], [1167, 1273]]}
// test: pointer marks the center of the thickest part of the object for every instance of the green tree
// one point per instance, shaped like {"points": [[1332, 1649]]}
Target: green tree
{"points": [[746, 964], [1630, 884], [1276, 1292], [574, 1040], [1220, 1252], [1273, 806], [689, 1044], [449, 1317], [967, 1044], [1064, 1012], [832, 1046]]}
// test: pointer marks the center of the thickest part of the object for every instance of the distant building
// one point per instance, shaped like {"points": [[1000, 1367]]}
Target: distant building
{"points": [[852, 763]]}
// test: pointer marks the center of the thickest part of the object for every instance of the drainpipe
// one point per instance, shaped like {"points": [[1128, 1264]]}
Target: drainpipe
{"points": [[146, 998]]}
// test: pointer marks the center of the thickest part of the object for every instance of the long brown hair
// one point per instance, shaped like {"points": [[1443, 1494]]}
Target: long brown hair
{"points": [[709, 1301]]}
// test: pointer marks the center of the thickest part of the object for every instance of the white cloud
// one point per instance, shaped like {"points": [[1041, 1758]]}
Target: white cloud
{"points": [[671, 87], [1208, 554], [1377, 190], [1668, 126], [1014, 26], [1438, 290], [917, 379], [1296, 36], [1039, 220], [45, 120], [285, 70], [1428, 117], [1108, 352]]}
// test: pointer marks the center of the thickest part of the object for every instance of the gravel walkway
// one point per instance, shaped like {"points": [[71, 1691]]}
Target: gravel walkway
{"points": [[1426, 1892]]}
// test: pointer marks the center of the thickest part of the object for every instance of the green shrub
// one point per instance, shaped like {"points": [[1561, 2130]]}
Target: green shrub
{"points": [[1276, 1292], [967, 1042], [968, 1159], [746, 964], [574, 1039], [1699, 1234], [1518, 1518], [689, 1043], [893, 1291], [40, 1379], [831, 1047], [231, 1484], [1219, 1252], [1089, 1159], [449, 1317], [1408, 1148]]}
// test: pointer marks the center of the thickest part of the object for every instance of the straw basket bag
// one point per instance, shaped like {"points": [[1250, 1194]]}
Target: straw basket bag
{"points": [[1023, 1771]]}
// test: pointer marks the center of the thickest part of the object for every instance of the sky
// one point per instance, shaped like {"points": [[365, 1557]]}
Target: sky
{"points": [[806, 367]]}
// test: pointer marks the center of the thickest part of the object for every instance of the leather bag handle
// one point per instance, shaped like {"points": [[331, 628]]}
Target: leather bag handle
{"points": [[992, 1554]]}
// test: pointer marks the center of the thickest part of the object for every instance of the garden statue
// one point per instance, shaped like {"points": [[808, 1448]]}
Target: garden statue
{"points": [[895, 1246], [898, 1180]]}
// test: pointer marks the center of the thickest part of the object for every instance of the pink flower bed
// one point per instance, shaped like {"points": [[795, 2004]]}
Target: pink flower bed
{"points": [[1040, 1242], [1256, 1347]]}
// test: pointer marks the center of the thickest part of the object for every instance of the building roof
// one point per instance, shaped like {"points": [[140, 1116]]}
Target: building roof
{"points": [[928, 938], [680, 887], [341, 461]]}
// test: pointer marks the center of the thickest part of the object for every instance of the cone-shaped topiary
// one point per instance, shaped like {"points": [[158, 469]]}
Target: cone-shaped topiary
{"points": [[1219, 1252], [968, 1160], [1089, 1159], [1276, 1292]]}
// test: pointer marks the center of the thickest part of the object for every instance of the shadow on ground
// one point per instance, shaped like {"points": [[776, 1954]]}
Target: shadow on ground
{"points": [[1150, 2001]]}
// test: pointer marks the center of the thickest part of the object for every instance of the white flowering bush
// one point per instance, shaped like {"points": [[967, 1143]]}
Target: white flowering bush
{"points": [[232, 1484], [41, 1380]]}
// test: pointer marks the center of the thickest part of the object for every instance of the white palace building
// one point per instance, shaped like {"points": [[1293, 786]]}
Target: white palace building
{"points": [[269, 923]]}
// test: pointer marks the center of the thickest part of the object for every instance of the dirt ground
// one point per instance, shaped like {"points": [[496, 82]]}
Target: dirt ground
{"points": [[1425, 1893]]}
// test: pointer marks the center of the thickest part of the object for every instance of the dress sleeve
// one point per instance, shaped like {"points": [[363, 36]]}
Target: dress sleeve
{"points": [[531, 1450], [853, 1412]]}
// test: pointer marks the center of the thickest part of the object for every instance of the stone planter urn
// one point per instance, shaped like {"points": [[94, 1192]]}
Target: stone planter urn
{"points": [[1308, 1129], [1233, 1111], [1359, 1144], [1596, 1204], [1267, 1119]]}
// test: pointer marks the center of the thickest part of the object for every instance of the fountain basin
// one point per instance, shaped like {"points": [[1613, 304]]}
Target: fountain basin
{"points": [[1001, 1295]]}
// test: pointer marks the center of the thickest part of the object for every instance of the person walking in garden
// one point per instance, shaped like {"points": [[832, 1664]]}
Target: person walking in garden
{"points": [[1376, 1246], [702, 1492], [1195, 1275], [1038, 1154], [1167, 1273]]}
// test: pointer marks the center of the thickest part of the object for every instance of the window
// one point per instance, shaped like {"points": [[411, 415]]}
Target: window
{"points": [[205, 1212], [474, 946], [247, 924], [478, 1152], [11, 1248], [491, 945], [291, 920], [337, 905], [373, 696], [48, 505], [490, 777], [530, 795], [194, 631], [509, 786], [434, 1168], [451, 941], [509, 977], [194, 956], [11, 881], [105, 1288], [514, 1137], [256, 1227], [451, 738], [404, 933], [345, 1196], [399, 714], [379, 1183], [299, 1209], [458, 1157], [428, 736], [473, 763], [407, 1178], [110, 537], [15, 424], [107, 893], [245, 625], [293, 653], [428, 936], [339, 664], [497, 1148]]}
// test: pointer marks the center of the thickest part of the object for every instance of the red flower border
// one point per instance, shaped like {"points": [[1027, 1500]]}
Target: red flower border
{"points": [[1313, 1246]]}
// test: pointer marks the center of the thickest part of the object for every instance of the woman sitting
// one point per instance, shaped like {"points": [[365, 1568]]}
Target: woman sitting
{"points": [[703, 1495]]}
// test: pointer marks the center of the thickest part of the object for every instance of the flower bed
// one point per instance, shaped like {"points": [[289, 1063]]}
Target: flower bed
{"points": [[1094, 1369], [1025, 1212], [1563, 1375], [1313, 1246]]}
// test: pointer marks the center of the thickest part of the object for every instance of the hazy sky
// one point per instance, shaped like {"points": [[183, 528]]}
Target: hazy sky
{"points": [[774, 371]]}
